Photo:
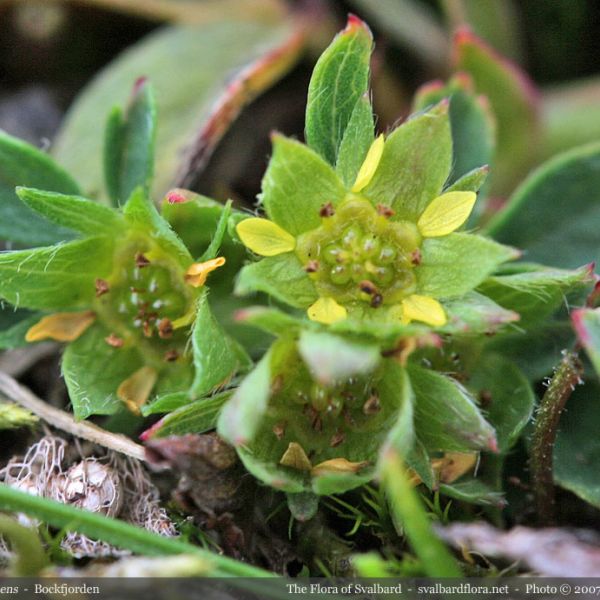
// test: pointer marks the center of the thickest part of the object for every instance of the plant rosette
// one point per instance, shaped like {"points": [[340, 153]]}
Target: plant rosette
{"points": [[317, 410], [362, 229], [126, 294]]}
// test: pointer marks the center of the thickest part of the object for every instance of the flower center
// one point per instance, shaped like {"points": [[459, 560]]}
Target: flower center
{"points": [[358, 254]]}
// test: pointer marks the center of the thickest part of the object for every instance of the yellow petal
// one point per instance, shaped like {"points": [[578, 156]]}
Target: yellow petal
{"points": [[326, 310], [296, 458], [424, 309], [454, 465], [265, 237], [196, 275], [135, 390], [62, 327], [370, 164], [338, 465], [446, 213]]}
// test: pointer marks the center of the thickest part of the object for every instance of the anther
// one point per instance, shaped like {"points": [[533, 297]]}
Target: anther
{"points": [[141, 261], [415, 257], [312, 266], [337, 439], [368, 287], [372, 406], [171, 355], [376, 300], [327, 210], [114, 340], [165, 328], [279, 430], [102, 287], [385, 211]]}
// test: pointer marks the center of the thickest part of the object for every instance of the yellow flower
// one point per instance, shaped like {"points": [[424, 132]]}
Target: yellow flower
{"points": [[443, 215]]}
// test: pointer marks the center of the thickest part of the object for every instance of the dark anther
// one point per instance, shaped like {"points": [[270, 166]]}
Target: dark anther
{"points": [[337, 439], [372, 406], [171, 355], [165, 328], [102, 287], [141, 261], [312, 266], [385, 211], [327, 210], [485, 398], [279, 430], [415, 257], [368, 287], [113, 340], [376, 300]]}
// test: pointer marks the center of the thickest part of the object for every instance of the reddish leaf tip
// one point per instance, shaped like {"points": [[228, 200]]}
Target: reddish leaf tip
{"points": [[140, 82], [151, 431], [175, 198], [577, 319], [355, 23], [493, 445]]}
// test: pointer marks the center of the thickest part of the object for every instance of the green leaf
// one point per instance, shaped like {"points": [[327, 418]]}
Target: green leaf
{"points": [[509, 399], [93, 371], [514, 101], [471, 181], [331, 358], [473, 491], [457, 263], [587, 326], [414, 165], [129, 145], [217, 357], [297, 183], [271, 320], [198, 417], [282, 277], [577, 448], [140, 212], [551, 215], [22, 164], [535, 295], [241, 417], [202, 75], [446, 416], [357, 140], [57, 277], [73, 212], [340, 78], [471, 123]]}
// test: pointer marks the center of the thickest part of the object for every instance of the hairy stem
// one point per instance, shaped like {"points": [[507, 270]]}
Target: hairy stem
{"points": [[566, 376]]}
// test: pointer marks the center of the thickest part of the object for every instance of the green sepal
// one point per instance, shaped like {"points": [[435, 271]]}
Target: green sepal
{"points": [[414, 165], [419, 461], [509, 398], [74, 212], [218, 235], [13, 416], [272, 320], [297, 183], [471, 181], [129, 145], [331, 358], [446, 415], [198, 417], [282, 277], [303, 506], [93, 371], [474, 314], [535, 294], [241, 417], [357, 140], [141, 213], [56, 277], [457, 263], [471, 122], [217, 357], [339, 79], [22, 164]]}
